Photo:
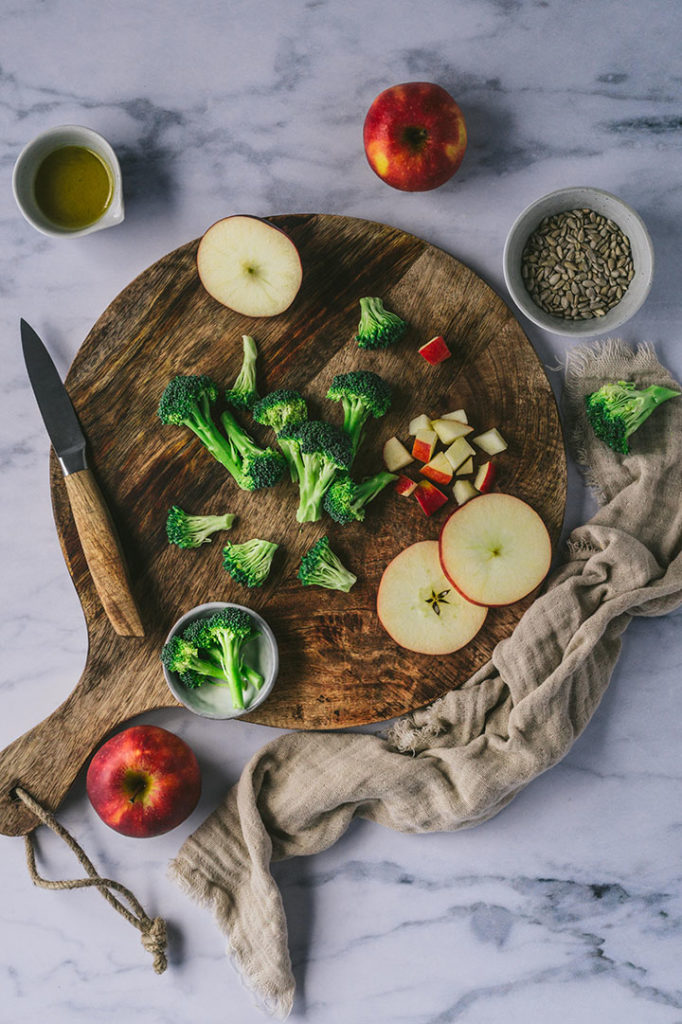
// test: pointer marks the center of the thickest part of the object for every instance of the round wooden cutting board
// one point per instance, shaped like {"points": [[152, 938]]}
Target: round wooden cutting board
{"points": [[337, 665]]}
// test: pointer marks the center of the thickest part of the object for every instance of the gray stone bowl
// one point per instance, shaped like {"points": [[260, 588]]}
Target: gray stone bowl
{"points": [[630, 223], [211, 701]]}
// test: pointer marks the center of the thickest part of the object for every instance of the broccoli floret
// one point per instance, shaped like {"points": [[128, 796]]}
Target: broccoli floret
{"points": [[224, 634], [345, 500], [181, 655], [249, 563], [319, 451], [618, 408], [244, 394], [362, 394], [320, 567], [282, 410], [378, 328], [188, 531], [257, 467]]}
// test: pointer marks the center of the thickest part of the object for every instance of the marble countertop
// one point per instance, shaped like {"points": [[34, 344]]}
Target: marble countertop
{"points": [[566, 907]]}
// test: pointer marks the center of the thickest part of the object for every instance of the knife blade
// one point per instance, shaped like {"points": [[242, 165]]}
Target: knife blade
{"points": [[96, 530]]}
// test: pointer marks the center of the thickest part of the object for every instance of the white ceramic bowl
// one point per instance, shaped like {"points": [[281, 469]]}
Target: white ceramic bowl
{"points": [[32, 156], [630, 223], [214, 701]]}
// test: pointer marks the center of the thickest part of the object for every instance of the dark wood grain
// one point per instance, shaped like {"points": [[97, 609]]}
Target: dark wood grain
{"points": [[338, 667]]}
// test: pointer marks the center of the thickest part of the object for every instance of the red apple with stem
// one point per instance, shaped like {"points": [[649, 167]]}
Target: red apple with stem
{"points": [[415, 136], [144, 781]]}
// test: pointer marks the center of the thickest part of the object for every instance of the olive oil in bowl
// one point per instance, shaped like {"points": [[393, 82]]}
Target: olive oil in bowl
{"points": [[73, 187]]}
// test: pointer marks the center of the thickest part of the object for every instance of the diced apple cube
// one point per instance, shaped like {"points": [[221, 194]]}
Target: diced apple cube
{"points": [[396, 455], [449, 430], [438, 469], [491, 441], [463, 491], [466, 467], [458, 452], [485, 477], [430, 497], [435, 351], [458, 414], [419, 423], [404, 486], [424, 445]]}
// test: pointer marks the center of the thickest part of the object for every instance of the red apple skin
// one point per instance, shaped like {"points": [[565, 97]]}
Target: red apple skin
{"points": [[144, 781], [415, 136], [430, 498], [435, 351]]}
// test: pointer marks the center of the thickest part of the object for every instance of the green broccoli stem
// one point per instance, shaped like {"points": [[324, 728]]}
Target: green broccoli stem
{"points": [[368, 489], [200, 528], [293, 458], [218, 446], [248, 674], [647, 400], [315, 480], [334, 576], [230, 660], [237, 436], [355, 415]]}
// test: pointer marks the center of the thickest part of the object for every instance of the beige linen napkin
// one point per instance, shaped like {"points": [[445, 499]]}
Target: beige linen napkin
{"points": [[458, 762]]}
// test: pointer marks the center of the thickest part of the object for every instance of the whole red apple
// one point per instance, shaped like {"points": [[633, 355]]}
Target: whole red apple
{"points": [[415, 136], [144, 781]]}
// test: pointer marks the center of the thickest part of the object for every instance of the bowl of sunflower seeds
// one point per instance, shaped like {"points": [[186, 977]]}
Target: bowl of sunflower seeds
{"points": [[578, 261]]}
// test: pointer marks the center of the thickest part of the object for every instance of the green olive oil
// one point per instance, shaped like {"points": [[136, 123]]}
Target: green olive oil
{"points": [[73, 187]]}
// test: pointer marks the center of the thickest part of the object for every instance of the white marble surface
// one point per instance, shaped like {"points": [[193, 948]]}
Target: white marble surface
{"points": [[566, 908]]}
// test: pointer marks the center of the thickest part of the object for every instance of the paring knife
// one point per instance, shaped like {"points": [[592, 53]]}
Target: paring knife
{"points": [[101, 546]]}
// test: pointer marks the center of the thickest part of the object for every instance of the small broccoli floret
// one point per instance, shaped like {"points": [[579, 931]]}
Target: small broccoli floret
{"points": [[282, 410], [362, 394], [618, 408], [345, 500], [187, 402], [257, 467], [188, 531], [244, 394], [378, 328], [224, 634], [182, 655], [320, 567], [319, 451], [249, 563]]}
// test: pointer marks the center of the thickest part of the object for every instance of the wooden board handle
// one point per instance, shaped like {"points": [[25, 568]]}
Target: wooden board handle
{"points": [[103, 553], [47, 758]]}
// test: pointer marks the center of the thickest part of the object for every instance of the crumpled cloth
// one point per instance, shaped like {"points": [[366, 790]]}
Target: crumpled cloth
{"points": [[457, 763]]}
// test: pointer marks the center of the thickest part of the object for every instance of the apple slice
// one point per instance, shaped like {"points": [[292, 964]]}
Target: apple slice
{"points": [[419, 423], [404, 486], [458, 414], [449, 430], [466, 468], [420, 609], [485, 477], [464, 491], [458, 452], [249, 265], [438, 469], [495, 549], [435, 351], [425, 445], [491, 442], [396, 455], [430, 497]]}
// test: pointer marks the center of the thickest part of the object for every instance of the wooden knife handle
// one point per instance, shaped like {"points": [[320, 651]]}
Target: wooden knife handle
{"points": [[103, 553]]}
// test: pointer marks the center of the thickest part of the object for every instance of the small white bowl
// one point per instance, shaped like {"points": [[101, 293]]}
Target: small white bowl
{"points": [[29, 161], [214, 701], [630, 223]]}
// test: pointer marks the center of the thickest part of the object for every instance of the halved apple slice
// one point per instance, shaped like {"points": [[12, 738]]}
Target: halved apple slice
{"points": [[420, 609], [249, 265], [495, 549], [438, 469]]}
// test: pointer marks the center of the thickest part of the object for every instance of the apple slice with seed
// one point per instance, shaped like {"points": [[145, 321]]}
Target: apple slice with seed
{"points": [[249, 265], [420, 609], [495, 549]]}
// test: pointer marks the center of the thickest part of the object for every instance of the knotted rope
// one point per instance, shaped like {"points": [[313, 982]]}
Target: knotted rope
{"points": [[152, 930]]}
